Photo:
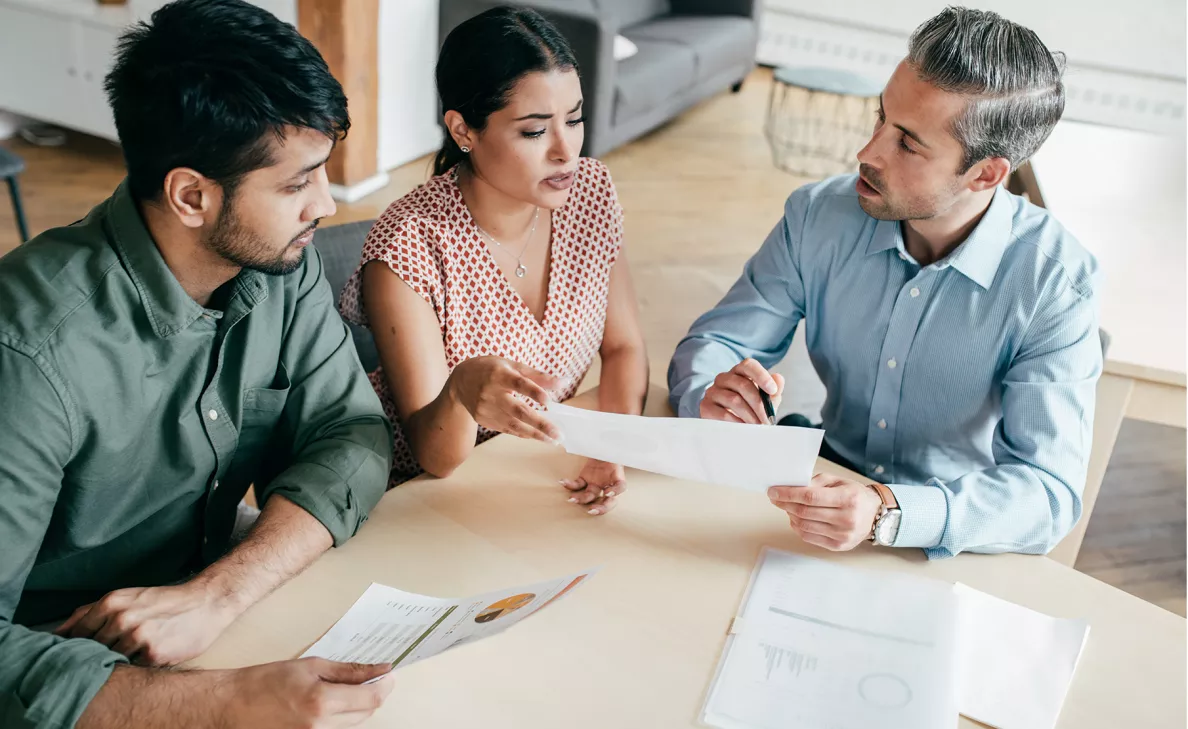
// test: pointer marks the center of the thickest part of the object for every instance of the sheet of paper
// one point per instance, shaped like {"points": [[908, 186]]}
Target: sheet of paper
{"points": [[1015, 664], [387, 625], [752, 457], [820, 645]]}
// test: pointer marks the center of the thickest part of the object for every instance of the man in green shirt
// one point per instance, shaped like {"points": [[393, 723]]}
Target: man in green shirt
{"points": [[158, 357]]}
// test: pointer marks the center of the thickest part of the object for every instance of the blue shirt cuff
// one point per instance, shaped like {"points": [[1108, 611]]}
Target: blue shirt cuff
{"points": [[690, 403], [924, 514]]}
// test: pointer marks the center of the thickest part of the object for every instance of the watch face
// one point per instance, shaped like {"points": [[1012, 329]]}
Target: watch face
{"points": [[888, 528]]}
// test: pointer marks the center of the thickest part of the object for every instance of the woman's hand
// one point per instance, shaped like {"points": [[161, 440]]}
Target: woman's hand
{"points": [[487, 386], [597, 486]]}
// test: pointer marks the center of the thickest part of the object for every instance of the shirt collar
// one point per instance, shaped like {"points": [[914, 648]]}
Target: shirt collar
{"points": [[170, 309], [978, 257]]}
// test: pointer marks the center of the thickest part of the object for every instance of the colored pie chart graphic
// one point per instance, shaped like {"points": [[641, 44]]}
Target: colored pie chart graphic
{"points": [[506, 606]]}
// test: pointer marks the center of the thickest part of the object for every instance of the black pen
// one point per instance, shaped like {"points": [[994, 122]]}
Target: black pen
{"points": [[767, 408]]}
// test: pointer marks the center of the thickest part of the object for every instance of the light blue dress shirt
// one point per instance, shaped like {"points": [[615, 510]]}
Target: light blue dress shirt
{"points": [[967, 386]]}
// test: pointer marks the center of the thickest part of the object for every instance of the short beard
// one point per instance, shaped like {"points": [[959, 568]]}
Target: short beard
{"points": [[246, 249], [921, 208]]}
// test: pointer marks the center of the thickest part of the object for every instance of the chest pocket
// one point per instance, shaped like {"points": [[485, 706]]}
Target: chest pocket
{"points": [[262, 408]]}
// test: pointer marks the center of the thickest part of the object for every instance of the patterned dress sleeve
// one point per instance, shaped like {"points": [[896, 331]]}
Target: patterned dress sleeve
{"points": [[403, 242]]}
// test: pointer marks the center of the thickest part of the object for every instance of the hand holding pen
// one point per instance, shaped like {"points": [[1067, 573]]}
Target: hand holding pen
{"points": [[748, 393]]}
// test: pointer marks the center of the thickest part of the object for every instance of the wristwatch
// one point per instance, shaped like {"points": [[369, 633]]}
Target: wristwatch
{"points": [[886, 525]]}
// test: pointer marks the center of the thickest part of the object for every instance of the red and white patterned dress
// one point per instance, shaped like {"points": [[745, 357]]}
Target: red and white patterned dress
{"points": [[430, 241]]}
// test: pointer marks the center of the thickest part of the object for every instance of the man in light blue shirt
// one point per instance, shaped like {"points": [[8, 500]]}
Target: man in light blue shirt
{"points": [[955, 325]]}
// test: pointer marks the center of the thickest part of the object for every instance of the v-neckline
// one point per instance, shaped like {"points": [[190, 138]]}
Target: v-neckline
{"points": [[493, 263]]}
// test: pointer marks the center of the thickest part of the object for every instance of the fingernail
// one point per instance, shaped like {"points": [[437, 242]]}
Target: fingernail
{"points": [[592, 511], [573, 501], [608, 494], [772, 493], [771, 388]]}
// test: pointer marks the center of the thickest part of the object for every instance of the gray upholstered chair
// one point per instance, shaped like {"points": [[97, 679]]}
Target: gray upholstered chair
{"points": [[340, 247], [689, 50]]}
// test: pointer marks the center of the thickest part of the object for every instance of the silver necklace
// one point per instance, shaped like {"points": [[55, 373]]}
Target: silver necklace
{"points": [[521, 269]]}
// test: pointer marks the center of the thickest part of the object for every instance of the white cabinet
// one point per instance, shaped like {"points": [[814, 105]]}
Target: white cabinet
{"points": [[52, 68]]}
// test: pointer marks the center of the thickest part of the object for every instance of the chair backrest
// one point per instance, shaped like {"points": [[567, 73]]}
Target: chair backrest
{"points": [[340, 247]]}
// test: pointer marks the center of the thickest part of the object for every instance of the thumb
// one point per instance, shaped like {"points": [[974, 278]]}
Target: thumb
{"points": [[548, 382], [352, 673], [779, 380]]}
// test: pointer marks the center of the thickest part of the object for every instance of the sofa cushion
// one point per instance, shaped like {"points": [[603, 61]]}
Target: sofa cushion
{"points": [[340, 247], [718, 42], [658, 72], [626, 13]]}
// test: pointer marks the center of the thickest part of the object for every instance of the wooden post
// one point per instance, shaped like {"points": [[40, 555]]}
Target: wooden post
{"points": [[346, 33]]}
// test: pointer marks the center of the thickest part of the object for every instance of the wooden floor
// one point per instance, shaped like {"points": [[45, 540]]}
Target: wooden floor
{"points": [[700, 195]]}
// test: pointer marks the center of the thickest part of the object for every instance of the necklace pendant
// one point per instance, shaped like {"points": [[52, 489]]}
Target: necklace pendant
{"points": [[521, 270]]}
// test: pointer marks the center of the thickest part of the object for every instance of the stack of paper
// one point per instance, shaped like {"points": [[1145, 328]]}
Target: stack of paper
{"points": [[752, 457], [821, 645]]}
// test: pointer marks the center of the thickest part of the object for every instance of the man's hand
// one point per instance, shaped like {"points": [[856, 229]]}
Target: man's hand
{"points": [[154, 626], [734, 396], [307, 692], [831, 512], [597, 486]]}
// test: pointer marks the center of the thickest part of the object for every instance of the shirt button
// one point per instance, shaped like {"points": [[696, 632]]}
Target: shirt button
{"points": [[214, 414], [914, 292], [879, 470], [890, 363], [215, 485], [882, 425]]}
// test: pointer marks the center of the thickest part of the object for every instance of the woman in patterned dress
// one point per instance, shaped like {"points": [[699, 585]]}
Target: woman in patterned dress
{"points": [[491, 288]]}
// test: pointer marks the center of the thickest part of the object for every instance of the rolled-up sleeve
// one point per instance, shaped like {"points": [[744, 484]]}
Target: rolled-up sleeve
{"points": [[1031, 498], [45, 681], [342, 442], [757, 318]]}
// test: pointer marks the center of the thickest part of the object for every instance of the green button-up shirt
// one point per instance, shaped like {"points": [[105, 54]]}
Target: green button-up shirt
{"points": [[133, 420]]}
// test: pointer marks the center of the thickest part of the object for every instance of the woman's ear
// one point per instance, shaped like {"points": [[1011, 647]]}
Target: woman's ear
{"points": [[458, 129]]}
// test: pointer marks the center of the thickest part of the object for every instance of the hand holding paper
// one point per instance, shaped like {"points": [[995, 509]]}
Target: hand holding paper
{"points": [[751, 457]]}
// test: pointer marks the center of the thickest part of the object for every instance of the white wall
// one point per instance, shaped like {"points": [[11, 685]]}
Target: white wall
{"points": [[407, 94], [1126, 60]]}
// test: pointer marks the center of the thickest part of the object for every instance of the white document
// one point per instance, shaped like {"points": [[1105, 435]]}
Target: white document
{"points": [[752, 457], [1015, 664], [822, 646], [387, 625]]}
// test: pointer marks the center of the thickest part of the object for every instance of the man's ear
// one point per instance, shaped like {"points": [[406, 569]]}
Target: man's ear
{"points": [[988, 174], [191, 196]]}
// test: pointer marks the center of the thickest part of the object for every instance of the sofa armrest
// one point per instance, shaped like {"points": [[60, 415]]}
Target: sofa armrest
{"points": [[745, 8]]}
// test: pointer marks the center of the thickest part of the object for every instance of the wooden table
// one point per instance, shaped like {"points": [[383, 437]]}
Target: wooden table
{"points": [[637, 645], [1121, 193]]}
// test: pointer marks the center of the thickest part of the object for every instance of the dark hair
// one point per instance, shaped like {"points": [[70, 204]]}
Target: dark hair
{"points": [[206, 84], [482, 60], [1012, 79]]}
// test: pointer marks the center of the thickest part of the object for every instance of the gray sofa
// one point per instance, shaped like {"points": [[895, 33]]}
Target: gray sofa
{"points": [[340, 247], [689, 50]]}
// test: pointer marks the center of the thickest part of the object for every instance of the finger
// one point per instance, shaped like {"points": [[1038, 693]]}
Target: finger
{"points": [[753, 371], [65, 628], [117, 625], [540, 379], [91, 623], [738, 393], [574, 484], [603, 506], [815, 528], [827, 480], [538, 427], [829, 498], [345, 698], [713, 411], [777, 398], [811, 513], [616, 488], [588, 495], [809, 534], [347, 673]]}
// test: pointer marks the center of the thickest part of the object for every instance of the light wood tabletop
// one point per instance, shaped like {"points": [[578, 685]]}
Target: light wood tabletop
{"points": [[637, 645]]}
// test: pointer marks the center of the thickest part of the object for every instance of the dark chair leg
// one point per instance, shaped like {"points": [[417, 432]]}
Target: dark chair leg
{"points": [[737, 87], [17, 209]]}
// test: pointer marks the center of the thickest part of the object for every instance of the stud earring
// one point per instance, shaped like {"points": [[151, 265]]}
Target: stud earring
{"points": [[465, 150]]}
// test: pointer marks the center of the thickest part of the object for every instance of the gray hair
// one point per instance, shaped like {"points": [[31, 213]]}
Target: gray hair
{"points": [[1011, 78]]}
